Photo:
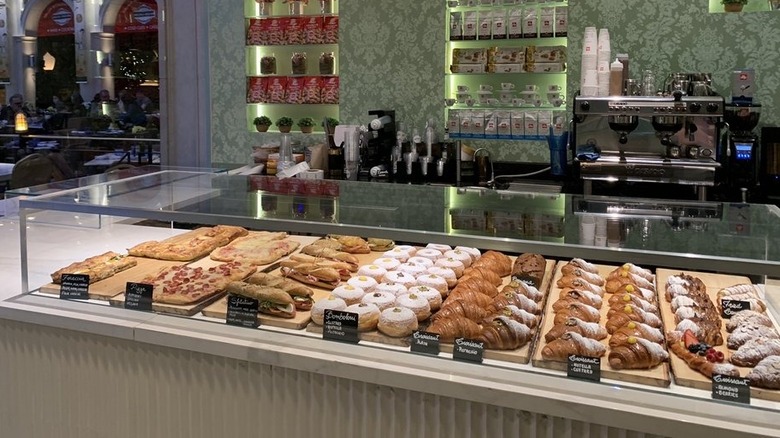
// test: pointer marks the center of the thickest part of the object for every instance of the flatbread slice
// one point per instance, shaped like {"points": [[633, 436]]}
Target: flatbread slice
{"points": [[98, 267], [259, 248]]}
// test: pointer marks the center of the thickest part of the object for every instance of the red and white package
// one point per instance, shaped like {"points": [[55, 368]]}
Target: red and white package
{"points": [[312, 29], [330, 89], [266, 25], [330, 30], [295, 90], [276, 89], [256, 90], [311, 89], [254, 32], [276, 31], [294, 30]]}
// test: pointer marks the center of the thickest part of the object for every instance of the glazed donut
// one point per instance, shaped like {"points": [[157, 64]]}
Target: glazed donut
{"points": [[446, 273], [416, 303], [381, 299], [373, 271], [397, 277], [454, 264], [432, 295], [368, 315], [397, 322], [388, 263], [434, 281], [366, 283], [417, 260], [350, 294], [319, 307]]}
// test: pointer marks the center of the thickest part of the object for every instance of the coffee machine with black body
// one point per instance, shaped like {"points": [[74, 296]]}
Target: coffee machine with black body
{"points": [[376, 154]]}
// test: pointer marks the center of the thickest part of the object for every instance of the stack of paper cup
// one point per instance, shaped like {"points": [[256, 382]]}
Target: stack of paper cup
{"points": [[603, 58], [589, 72], [587, 229], [601, 231]]}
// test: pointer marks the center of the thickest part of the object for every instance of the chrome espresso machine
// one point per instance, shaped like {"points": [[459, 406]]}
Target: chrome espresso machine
{"points": [[671, 139]]}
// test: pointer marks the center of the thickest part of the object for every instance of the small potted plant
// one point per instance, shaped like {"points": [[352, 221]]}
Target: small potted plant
{"points": [[329, 124], [306, 124], [284, 124], [262, 123], [733, 5]]}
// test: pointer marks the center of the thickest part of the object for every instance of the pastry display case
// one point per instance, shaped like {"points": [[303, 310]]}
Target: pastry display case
{"points": [[688, 263]]}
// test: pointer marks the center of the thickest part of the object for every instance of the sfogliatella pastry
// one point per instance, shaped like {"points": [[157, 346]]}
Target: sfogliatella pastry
{"points": [[382, 300], [572, 343], [417, 304], [452, 328], [637, 353], [319, 307], [374, 271], [366, 283], [432, 295], [397, 322], [368, 315], [350, 294]]}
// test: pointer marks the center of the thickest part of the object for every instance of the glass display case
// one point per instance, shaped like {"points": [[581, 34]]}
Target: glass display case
{"points": [[725, 245]]}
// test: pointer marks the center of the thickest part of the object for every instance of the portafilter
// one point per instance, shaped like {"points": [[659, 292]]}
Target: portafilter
{"points": [[667, 126], [623, 125]]}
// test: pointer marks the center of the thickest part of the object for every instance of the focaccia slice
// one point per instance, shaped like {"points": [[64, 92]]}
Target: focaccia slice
{"points": [[98, 267], [185, 285], [257, 248]]}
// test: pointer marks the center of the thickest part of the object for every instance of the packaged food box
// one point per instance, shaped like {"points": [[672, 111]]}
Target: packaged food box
{"points": [[256, 89], [506, 55], [312, 30], [545, 67], [545, 54], [330, 29], [330, 90], [561, 21], [485, 25], [295, 30], [506, 68], [276, 89], [254, 33], [294, 90], [312, 86], [456, 26], [468, 68], [469, 56], [518, 124], [274, 30]]}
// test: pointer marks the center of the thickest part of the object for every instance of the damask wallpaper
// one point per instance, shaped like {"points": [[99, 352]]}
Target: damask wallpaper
{"points": [[392, 57]]}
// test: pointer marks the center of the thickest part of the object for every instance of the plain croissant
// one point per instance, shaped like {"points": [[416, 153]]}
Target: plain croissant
{"points": [[470, 295], [454, 327], [461, 308], [478, 285], [497, 262], [482, 273]]}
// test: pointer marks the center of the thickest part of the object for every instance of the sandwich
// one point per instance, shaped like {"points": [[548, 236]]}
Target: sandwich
{"points": [[344, 269], [311, 273], [302, 296], [271, 300], [332, 254], [351, 244], [380, 245]]}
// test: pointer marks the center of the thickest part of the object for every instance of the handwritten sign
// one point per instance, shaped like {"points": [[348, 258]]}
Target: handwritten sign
{"points": [[138, 296], [583, 367], [468, 350], [425, 342], [340, 326], [74, 287], [242, 311], [730, 308], [733, 389]]}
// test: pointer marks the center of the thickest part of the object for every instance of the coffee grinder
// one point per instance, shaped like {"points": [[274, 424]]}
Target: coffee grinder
{"points": [[741, 143], [376, 155]]}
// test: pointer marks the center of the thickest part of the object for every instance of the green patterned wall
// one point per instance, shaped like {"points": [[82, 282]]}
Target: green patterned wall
{"points": [[392, 57]]}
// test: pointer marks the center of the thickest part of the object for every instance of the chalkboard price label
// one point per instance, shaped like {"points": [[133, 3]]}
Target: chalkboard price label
{"points": [[468, 350], [340, 326], [733, 389], [425, 342], [730, 308], [583, 367], [138, 296], [242, 311], [74, 287]]}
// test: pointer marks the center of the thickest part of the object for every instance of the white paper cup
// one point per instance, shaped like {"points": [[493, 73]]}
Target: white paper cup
{"points": [[600, 241], [591, 78], [589, 90]]}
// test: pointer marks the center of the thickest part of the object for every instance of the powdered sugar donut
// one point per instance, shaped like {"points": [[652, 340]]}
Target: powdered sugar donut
{"points": [[395, 288], [435, 282], [398, 254], [408, 248], [439, 247], [397, 322], [432, 295], [417, 260], [388, 263], [461, 256], [455, 265], [374, 271], [366, 283], [429, 253], [475, 253], [368, 315], [446, 273], [381, 299], [350, 294], [412, 269], [398, 277], [417, 304], [320, 306]]}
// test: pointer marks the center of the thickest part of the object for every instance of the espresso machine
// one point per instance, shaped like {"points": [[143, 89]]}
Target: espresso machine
{"points": [[376, 152], [673, 139]]}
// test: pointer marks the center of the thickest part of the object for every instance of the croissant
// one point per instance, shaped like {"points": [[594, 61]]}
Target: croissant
{"points": [[753, 351], [470, 295], [696, 362], [620, 319], [454, 327], [572, 282], [572, 343], [478, 285], [622, 278], [648, 318], [503, 333], [461, 308], [746, 332], [573, 271], [765, 374], [621, 299], [481, 273], [582, 264], [513, 312], [577, 310], [646, 294], [634, 269], [638, 330], [524, 289], [637, 353], [506, 298], [583, 296], [588, 329], [497, 262], [748, 316]]}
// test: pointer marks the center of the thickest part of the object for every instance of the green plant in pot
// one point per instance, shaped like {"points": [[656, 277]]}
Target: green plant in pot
{"points": [[330, 126], [733, 5], [306, 124], [284, 124], [262, 123]]}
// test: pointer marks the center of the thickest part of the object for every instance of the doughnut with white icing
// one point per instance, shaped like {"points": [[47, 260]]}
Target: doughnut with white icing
{"points": [[397, 322], [319, 307], [368, 315]]}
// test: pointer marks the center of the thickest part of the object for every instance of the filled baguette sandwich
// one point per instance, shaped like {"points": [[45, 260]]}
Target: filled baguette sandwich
{"points": [[271, 300], [302, 296]]}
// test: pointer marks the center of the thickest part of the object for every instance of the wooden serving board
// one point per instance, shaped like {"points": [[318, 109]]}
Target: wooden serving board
{"points": [[115, 285], [683, 374], [658, 376], [520, 355]]}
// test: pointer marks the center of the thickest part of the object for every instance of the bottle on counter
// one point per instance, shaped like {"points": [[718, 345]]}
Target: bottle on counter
{"points": [[616, 78]]}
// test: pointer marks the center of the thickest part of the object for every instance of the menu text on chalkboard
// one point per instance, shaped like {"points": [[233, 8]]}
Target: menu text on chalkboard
{"points": [[138, 296], [733, 389], [583, 367], [74, 287], [242, 311], [340, 326], [468, 350], [425, 342], [730, 308]]}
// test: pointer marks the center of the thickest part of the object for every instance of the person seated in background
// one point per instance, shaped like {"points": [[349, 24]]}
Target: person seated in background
{"points": [[143, 101], [15, 105], [133, 115], [96, 107]]}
